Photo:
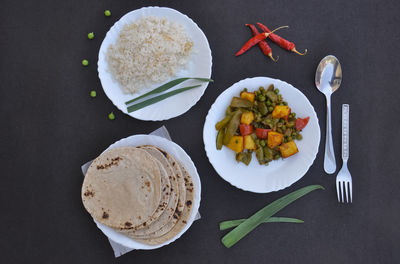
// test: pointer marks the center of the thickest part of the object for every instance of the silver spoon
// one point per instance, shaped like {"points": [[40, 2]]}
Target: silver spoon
{"points": [[327, 79]]}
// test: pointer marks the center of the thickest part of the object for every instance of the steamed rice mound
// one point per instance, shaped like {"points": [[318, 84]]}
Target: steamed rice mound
{"points": [[148, 51]]}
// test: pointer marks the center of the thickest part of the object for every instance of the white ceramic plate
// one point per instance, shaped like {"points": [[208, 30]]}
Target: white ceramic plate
{"points": [[200, 63], [176, 151], [278, 174]]}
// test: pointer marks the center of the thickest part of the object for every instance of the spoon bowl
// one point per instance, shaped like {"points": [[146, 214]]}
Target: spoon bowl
{"points": [[328, 78]]}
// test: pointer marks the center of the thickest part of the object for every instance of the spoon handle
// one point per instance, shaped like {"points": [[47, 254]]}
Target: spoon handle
{"points": [[329, 160]]}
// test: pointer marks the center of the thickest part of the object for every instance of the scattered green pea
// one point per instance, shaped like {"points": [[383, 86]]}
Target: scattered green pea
{"points": [[269, 102], [270, 109], [276, 91], [261, 98], [93, 94], [90, 35], [111, 116], [276, 157], [85, 63], [107, 13], [289, 138], [299, 137]]}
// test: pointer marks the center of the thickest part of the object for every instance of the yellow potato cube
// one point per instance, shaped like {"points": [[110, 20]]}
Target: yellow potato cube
{"points": [[236, 144], [281, 111], [249, 143], [288, 149], [247, 118], [274, 139], [248, 96]]}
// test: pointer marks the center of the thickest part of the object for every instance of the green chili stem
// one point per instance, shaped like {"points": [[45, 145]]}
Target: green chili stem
{"points": [[233, 223]]}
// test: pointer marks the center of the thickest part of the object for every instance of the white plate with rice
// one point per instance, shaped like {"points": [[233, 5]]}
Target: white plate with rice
{"points": [[118, 74]]}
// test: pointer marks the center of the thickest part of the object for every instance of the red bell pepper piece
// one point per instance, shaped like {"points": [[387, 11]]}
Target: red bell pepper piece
{"points": [[246, 129], [301, 123], [262, 132]]}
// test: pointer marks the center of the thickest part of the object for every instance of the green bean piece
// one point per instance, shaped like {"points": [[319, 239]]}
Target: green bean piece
{"points": [[283, 127], [239, 102], [246, 159], [299, 137], [232, 126], [272, 96], [279, 130], [284, 103], [262, 108], [270, 87], [268, 155], [220, 138], [262, 143], [276, 91], [290, 124], [223, 122], [228, 110], [276, 157], [260, 155], [254, 136]]}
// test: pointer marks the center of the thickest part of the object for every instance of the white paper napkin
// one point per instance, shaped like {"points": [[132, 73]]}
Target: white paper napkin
{"points": [[119, 249]]}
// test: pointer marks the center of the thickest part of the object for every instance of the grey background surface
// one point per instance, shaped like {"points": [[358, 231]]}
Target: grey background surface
{"points": [[50, 126]]}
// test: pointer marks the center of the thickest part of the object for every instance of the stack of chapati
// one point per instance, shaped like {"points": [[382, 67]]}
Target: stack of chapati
{"points": [[141, 192]]}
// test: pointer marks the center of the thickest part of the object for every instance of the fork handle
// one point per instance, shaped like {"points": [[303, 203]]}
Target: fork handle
{"points": [[345, 131]]}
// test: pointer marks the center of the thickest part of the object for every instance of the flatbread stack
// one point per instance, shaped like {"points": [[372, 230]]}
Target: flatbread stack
{"points": [[142, 192]]}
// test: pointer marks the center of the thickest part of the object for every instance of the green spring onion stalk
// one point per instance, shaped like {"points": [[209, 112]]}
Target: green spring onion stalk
{"points": [[258, 218], [167, 86], [233, 223], [156, 99]]}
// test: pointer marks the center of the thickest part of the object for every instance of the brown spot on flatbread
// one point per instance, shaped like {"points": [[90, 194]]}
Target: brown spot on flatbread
{"points": [[191, 184], [144, 224], [139, 217], [128, 224], [105, 215], [173, 163], [163, 152], [183, 221], [114, 161], [163, 189], [89, 193], [147, 183], [188, 203]]}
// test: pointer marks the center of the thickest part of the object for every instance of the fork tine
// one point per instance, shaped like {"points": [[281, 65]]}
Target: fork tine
{"points": [[351, 191], [346, 187], [342, 189], [338, 190]]}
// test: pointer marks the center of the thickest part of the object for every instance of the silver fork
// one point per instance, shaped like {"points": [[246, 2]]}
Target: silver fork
{"points": [[344, 185]]}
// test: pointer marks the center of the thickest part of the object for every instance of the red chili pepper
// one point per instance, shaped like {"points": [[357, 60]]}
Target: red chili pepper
{"points": [[266, 49], [245, 129], [255, 40], [301, 123], [262, 132], [283, 43]]}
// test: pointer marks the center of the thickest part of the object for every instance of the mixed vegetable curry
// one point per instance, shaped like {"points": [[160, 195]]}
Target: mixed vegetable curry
{"points": [[260, 122]]}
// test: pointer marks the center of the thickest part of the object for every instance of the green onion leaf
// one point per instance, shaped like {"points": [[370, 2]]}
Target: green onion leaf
{"points": [[167, 86], [156, 99], [232, 223], [255, 220]]}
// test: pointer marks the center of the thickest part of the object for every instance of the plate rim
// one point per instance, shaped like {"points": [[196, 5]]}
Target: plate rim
{"points": [[102, 47], [226, 91], [195, 208]]}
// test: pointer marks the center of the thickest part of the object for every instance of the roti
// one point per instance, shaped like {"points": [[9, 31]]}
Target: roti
{"points": [[168, 213], [122, 188], [155, 238]]}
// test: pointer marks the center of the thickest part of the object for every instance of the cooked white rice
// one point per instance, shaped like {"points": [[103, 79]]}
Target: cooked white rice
{"points": [[148, 51]]}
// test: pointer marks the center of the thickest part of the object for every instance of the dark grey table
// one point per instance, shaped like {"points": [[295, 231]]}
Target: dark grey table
{"points": [[51, 126]]}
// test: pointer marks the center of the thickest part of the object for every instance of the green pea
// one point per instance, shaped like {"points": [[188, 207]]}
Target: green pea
{"points": [[107, 13], [90, 35], [285, 140], [293, 115], [269, 102], [299, 137], [289, 138], [268, 121], [245, 90], [276, 91], [276, 157], [111, 116], [93, 94], [294, 134], [261, 88], [85, 63], [284, 103], [262, 143], [261, 98], [270, 109]]}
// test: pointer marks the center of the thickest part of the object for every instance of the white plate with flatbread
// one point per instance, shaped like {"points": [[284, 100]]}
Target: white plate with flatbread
{"points": [[180, 155]]}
